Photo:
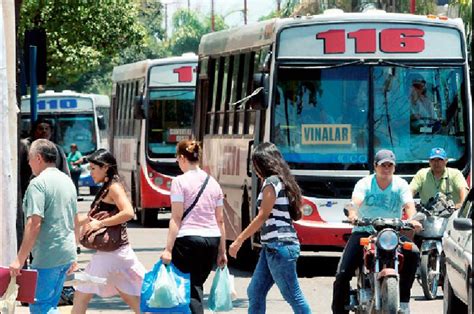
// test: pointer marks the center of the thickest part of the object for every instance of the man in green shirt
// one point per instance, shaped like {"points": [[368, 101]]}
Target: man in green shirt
{"points": [[74, 162], [439, 178], [50, 208]]}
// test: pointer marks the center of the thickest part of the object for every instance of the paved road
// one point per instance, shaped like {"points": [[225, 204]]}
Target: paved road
{"points": [[316, 273]]}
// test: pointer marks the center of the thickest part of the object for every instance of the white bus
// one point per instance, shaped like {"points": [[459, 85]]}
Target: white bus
{"points": [[77, 118], [330, 90], [152, 109]]}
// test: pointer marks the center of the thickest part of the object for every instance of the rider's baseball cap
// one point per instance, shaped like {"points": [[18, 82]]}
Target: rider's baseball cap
{"points": [[384, 155], [438, 152]]}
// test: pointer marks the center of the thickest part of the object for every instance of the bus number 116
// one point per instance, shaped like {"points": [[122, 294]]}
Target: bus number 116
{"points": [[392, 40]]}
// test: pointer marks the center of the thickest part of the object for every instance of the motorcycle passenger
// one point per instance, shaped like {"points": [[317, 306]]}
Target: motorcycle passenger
{"points": [[437, 178], [382, 194]]}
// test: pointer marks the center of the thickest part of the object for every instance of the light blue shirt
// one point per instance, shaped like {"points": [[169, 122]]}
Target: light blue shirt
{"points": [[376, 202], [52, 196]]}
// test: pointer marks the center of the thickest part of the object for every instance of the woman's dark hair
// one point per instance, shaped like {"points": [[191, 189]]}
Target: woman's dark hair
{"points": [[191, 150], [101, 158], [268, 161]]}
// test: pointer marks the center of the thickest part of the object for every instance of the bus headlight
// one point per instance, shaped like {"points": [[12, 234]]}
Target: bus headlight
{"points": [[158, 181], [387, 240], [307, 210]]}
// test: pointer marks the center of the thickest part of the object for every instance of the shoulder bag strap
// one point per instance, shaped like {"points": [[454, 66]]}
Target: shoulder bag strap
{"points": [[186, 212]]}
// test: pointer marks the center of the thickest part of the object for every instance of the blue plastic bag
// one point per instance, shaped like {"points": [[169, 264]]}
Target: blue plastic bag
{"points": [[165, 289], [220, 298]]}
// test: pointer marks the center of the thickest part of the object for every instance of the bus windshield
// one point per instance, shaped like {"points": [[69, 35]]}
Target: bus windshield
{"points": [[68, 129], [169, 120], [323, 116], [79, 129]]}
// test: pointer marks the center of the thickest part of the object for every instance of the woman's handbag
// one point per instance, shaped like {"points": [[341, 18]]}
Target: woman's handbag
{"points": [[105, 239], [165, 289]]}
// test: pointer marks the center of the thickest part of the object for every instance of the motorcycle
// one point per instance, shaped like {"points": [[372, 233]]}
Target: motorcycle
{"points": [[431, 270], [378, 277]]}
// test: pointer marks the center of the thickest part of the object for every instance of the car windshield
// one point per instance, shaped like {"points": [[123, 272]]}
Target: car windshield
{"points": [[169, 120], [323, 116]]}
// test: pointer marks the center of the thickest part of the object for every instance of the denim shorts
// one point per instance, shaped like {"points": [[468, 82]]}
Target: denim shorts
{"points": [[48, 289]]}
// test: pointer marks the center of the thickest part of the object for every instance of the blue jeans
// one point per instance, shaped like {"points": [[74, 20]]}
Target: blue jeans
{"points": [[277, 264], [48, 289]]}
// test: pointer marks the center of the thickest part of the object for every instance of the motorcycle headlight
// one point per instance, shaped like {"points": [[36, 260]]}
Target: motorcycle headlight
{"points": [[387, 240]]}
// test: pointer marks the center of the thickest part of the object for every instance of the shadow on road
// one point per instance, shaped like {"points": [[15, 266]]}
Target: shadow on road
{"points": [[307, 266], [317, 266], [161, 223], [115, 303]]}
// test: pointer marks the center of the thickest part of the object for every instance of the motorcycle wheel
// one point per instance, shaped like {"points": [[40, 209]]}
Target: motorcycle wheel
{"points": [[429, 282], [390, 295]]}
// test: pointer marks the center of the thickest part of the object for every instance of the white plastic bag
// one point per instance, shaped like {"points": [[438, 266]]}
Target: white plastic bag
{"points": [[8, 300], [165, 293], [222, 291], [81, 277]]}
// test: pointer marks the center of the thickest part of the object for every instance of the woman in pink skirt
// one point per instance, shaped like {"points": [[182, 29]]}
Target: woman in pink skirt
{"points": [[121, 268]]}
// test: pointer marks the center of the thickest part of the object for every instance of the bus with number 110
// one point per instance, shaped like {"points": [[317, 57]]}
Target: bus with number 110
{"points": [[330, 91], [77, 118], [152, 110]]}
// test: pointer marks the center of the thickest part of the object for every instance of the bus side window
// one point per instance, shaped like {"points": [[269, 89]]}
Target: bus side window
{"points": [[226, 87], [246, 80], [234, 92]]}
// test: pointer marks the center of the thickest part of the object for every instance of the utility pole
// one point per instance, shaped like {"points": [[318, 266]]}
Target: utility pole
{"points": [[245, 12], [189, 5], [278, 7], [412, 6], [212, 16]]}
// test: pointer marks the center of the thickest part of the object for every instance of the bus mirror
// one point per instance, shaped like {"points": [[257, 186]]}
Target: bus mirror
{"points": [[101, 122], [138, 107], [260, 101]]}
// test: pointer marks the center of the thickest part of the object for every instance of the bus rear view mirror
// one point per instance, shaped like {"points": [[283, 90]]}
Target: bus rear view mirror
{"points": [[101, 122], [138, 112], [260, 100]]}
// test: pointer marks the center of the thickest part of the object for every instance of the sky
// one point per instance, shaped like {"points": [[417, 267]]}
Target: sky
{"points": [[228, 8]]}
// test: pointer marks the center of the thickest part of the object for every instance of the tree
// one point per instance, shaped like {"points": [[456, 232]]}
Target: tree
{"points": [[287, 9], [188, 28], [82, 36], [152, 47], [463, 9]]}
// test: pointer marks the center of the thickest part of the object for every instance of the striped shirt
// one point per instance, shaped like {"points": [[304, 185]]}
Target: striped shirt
{"points": [[279, 226]]}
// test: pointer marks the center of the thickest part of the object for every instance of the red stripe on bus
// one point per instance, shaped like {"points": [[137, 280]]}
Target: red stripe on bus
{"points": [[151, 198], [321, 233]]}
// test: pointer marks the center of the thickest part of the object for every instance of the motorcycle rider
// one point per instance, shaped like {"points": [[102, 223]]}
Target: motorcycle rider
{"points": [[439, 178], [382, 194]]}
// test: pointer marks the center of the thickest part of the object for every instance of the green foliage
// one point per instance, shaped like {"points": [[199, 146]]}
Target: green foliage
{"points": [[188, 28], [287, 9], [425, 7], [82, 36], [463, 9]]}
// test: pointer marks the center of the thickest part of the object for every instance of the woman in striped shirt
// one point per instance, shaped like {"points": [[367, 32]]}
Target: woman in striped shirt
{"points": [[279, 204]]}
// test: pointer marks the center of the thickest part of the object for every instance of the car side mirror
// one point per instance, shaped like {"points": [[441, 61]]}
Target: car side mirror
{"points": [[462, 224], [138, 112]]}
